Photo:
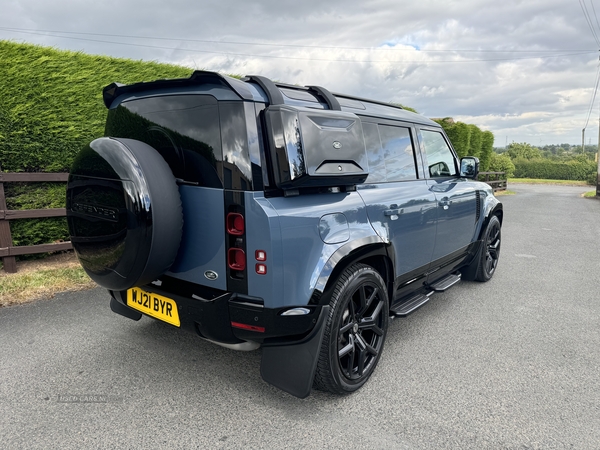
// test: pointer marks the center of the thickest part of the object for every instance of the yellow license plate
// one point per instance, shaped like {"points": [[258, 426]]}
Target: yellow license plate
{"points": [[154, 305]]}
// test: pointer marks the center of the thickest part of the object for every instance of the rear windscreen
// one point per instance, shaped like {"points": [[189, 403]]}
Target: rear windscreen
{"points": [[184, 129]]}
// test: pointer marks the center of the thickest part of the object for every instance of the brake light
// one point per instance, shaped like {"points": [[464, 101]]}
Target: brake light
{"points": [[261, 269], [236, 259], [235, 224]]}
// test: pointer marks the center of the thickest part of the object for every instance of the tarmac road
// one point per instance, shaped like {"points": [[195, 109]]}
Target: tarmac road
{"points": [[513, 363]]}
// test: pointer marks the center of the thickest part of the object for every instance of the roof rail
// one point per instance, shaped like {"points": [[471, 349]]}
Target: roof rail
{"points": [[328, 96], [273, 93]]}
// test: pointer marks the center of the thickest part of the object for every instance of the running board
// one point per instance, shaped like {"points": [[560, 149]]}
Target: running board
{"points": [[410, 304], [445, 283]]}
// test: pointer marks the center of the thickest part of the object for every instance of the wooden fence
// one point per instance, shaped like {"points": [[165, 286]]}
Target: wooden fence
{"points": [[497, 180], [7, 250]]}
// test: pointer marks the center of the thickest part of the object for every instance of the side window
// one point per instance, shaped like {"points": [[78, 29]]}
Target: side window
{"points": [[390, 152], [374, 153], [398, 153], [440, 159]]}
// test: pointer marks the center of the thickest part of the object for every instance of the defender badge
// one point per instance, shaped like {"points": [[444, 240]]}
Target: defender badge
{"points": [[211, 275], [102, 212], [337, 145]]}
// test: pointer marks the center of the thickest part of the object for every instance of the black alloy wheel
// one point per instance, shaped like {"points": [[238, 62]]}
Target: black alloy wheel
{"points": [[490, 253], [355, 331]]}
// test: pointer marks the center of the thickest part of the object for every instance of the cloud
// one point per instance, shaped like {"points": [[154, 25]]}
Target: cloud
{"points": [[443, 58]]}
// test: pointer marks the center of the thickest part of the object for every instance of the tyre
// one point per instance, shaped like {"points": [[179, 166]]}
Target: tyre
{"points": [[355, 331], [124, 213], [490, 253]]}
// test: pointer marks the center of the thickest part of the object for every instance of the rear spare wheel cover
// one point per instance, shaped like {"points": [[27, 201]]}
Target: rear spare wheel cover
{"points": [[124, 212]]}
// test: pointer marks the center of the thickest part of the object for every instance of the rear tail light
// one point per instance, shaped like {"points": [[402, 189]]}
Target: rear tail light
{"points": [[261, 269], [236, 259], [235, 224]]}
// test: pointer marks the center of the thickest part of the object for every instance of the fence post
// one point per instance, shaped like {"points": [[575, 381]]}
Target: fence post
{"points": [[10, 263]]}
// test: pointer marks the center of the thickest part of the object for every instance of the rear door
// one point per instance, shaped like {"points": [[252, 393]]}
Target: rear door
{"points": [[400, 205]]}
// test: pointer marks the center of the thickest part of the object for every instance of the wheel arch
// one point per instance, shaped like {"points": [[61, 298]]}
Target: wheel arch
{"points": [[371, 252], [491, 209]]}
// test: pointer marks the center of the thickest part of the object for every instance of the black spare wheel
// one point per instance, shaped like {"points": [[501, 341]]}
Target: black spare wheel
{"points": [[124, 212]]}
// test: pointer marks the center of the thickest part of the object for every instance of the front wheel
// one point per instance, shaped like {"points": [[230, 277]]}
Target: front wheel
{"points": [[490, 253], [355, 331]]}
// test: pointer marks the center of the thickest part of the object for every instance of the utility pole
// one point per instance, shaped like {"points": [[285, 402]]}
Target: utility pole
{"points": [[598, 160], [582, 140]]}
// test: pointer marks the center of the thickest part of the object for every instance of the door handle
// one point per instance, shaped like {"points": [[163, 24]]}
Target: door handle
{"points": [[393, 211], [445, 203]]}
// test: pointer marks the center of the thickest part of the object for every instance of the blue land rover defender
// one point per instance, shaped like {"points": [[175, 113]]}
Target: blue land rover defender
{"points": [[260, 214]]}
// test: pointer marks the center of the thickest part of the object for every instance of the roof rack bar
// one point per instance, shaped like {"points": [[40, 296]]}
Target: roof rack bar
{"points": [[273, 93], [328, 96]]}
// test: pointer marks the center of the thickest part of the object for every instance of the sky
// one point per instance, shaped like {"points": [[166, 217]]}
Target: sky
{"points": [[524, 69]]}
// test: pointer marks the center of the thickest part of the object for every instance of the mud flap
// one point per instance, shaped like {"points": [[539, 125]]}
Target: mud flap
{"points": [[291, 366], [470, 272], [119, 308]]}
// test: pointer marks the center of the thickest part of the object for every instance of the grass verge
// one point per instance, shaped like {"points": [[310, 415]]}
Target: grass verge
{"points": [[590, 194], [42, 279], [537, 181]]}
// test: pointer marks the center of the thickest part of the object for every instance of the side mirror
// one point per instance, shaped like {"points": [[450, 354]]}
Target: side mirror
{"points": [[469, 167]]}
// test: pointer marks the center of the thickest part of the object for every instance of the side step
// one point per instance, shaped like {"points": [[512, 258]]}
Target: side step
{"points": [[410, 304], [445, 283]]}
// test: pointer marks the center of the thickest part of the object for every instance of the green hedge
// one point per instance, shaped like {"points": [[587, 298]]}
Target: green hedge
{"points": [[469, 140], [50, 107], [583, 170], [487, 149], [51, 102]]}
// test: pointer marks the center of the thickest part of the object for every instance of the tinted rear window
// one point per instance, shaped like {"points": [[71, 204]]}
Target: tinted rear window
{"points": [[391, 153], [184, 129]]}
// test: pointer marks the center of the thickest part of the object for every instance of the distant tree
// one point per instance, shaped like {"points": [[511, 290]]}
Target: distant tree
{"points": [[408, 108], [501, 163], [523, 150]]}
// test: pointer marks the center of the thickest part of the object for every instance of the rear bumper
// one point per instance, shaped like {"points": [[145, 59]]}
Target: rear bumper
{"points": [[230, 318], [291, 343]]}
